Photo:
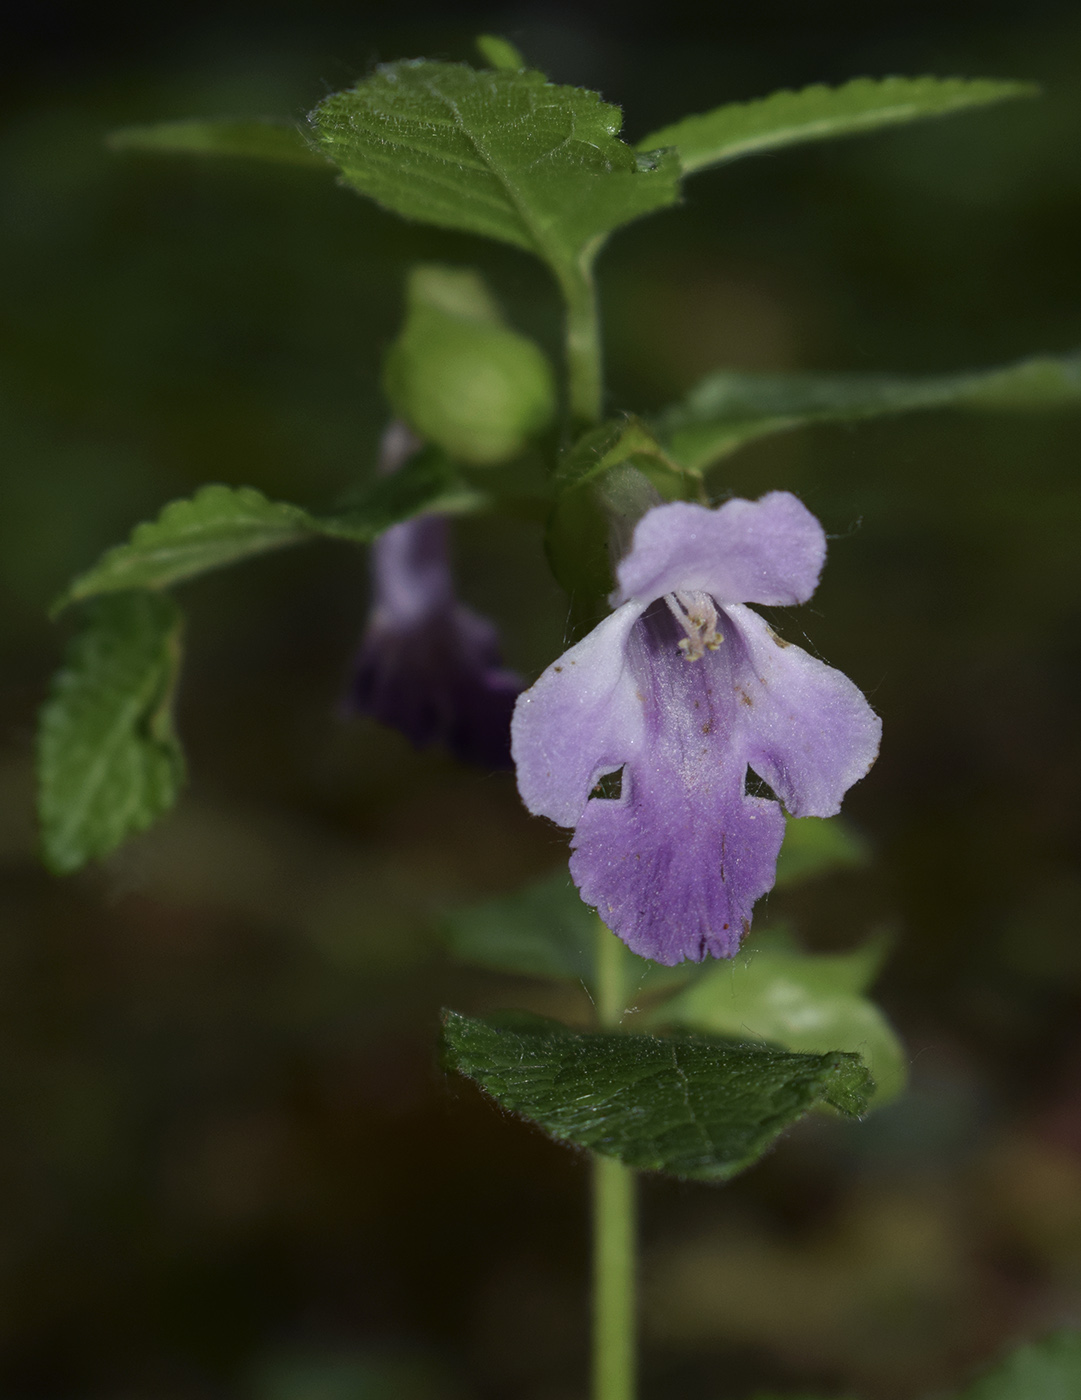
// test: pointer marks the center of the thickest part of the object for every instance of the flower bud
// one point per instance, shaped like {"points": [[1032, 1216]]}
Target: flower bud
{"points": [[462, 379]]}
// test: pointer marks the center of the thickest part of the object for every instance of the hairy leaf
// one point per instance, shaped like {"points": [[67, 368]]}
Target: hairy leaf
{"points": [[800, 1001], [216, 526], [819, 113], [818, 846], [223, 524], [260, 140], [624, 441], [501, 153], [108, 760], [692, 1105], [731, 408], [1045, 1370]]}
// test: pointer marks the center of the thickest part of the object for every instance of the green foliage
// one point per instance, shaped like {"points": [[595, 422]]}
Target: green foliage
{"points": [[542, 931], [260, 140], [460, 377], [546, 931], [614, 471], [218, 525], [347, 1377], [624, 441], [497, 152], [797, 1000], [818, 846], [427, 482], [1046, 1370], [108, 760], [819, 113], [499, 53], [224, 524], [731, 408], [694, 1106]]}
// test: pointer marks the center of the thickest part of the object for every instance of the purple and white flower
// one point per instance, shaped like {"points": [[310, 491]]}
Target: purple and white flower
{"points": [[683, 688], [428, 665]]}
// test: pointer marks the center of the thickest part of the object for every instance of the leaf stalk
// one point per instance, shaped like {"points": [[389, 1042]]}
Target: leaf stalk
{"points": [[583, 346]]}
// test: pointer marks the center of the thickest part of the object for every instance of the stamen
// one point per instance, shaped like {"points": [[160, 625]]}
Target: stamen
{"points": [[696, 613]]}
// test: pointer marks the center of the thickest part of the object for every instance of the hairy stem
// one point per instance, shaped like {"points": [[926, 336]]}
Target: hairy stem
{"points": [[614, 1232]]}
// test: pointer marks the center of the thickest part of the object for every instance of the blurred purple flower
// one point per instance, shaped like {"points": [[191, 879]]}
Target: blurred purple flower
{"points": [[682, 689], [428, 665]]}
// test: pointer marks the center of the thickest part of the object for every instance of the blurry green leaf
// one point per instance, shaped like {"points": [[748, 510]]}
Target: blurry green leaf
{"points": [[1047, 1370], [819, 113], [499, 53], [731, 408], [108, 760], [690, 1105], [259, 140], [616, 469], [546, 931], [346, 1377], [499, 153], [429, 481], [542, 931], [800, 1001], [460, 377], [216, 526], [818, 846], [453, 291]]}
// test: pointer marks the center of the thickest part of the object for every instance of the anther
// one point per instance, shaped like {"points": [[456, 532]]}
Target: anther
{"points": [[696, 613]]}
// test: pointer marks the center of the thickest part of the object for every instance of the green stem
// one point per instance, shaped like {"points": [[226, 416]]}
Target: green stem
{"points": [[614, 1232], [583, 332]]}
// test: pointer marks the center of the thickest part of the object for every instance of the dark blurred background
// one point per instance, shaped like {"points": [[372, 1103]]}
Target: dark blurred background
{"points": [[229, 1163]]}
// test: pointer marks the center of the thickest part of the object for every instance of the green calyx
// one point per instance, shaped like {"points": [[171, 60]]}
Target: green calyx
{"points": [[460, 377]]}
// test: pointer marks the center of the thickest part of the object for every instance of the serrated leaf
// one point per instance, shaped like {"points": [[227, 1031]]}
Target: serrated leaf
{"points": [[819, 113], [109, 762], [1045, 1370], [693, 1105], [799, 1001], [218, 525], [729, 409], [818, 846], [259, 140], [505, 154], [222, 525]]}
